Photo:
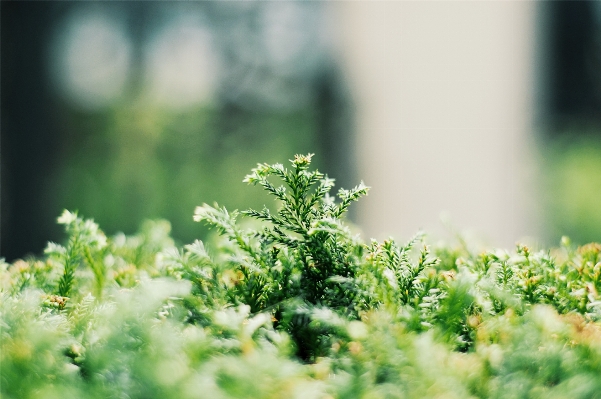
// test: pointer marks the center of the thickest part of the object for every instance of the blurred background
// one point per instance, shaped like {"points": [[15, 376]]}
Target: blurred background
{"points": [[477, 116]]}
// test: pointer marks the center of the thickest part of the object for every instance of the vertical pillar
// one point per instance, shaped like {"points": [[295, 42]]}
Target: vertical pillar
{"points": [[444, 102]]}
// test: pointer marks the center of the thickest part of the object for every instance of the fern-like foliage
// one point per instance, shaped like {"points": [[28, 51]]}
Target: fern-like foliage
{"points": [[136, 316], [302, 258], [85, 239]]}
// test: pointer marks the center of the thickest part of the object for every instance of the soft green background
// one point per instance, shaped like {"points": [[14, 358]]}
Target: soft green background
{"points": [[141, 162]]}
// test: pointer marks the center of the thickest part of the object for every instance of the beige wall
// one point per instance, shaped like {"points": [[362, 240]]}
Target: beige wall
{"points": [[443, 94]]}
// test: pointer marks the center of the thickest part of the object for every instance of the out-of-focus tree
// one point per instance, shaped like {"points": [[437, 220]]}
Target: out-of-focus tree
{"points": [[133, 110]]}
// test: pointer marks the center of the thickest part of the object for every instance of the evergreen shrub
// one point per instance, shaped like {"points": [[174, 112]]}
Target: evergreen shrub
{"points": [[292, 304]]}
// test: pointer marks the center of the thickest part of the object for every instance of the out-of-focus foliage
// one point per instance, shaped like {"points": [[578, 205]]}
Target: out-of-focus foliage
{"points": [[138, 110], [206, 88], [296, 306], [157, 163], [573, 187]]}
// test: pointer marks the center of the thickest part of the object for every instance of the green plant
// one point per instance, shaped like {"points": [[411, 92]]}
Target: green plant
{"points": [[302, 259], [290, 303]]}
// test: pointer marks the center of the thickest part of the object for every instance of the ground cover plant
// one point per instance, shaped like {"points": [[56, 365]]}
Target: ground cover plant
{"points": [[288, 302]]}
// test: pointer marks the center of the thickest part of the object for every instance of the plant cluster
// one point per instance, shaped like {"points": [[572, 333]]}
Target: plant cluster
{"points": [[291, 303]]}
